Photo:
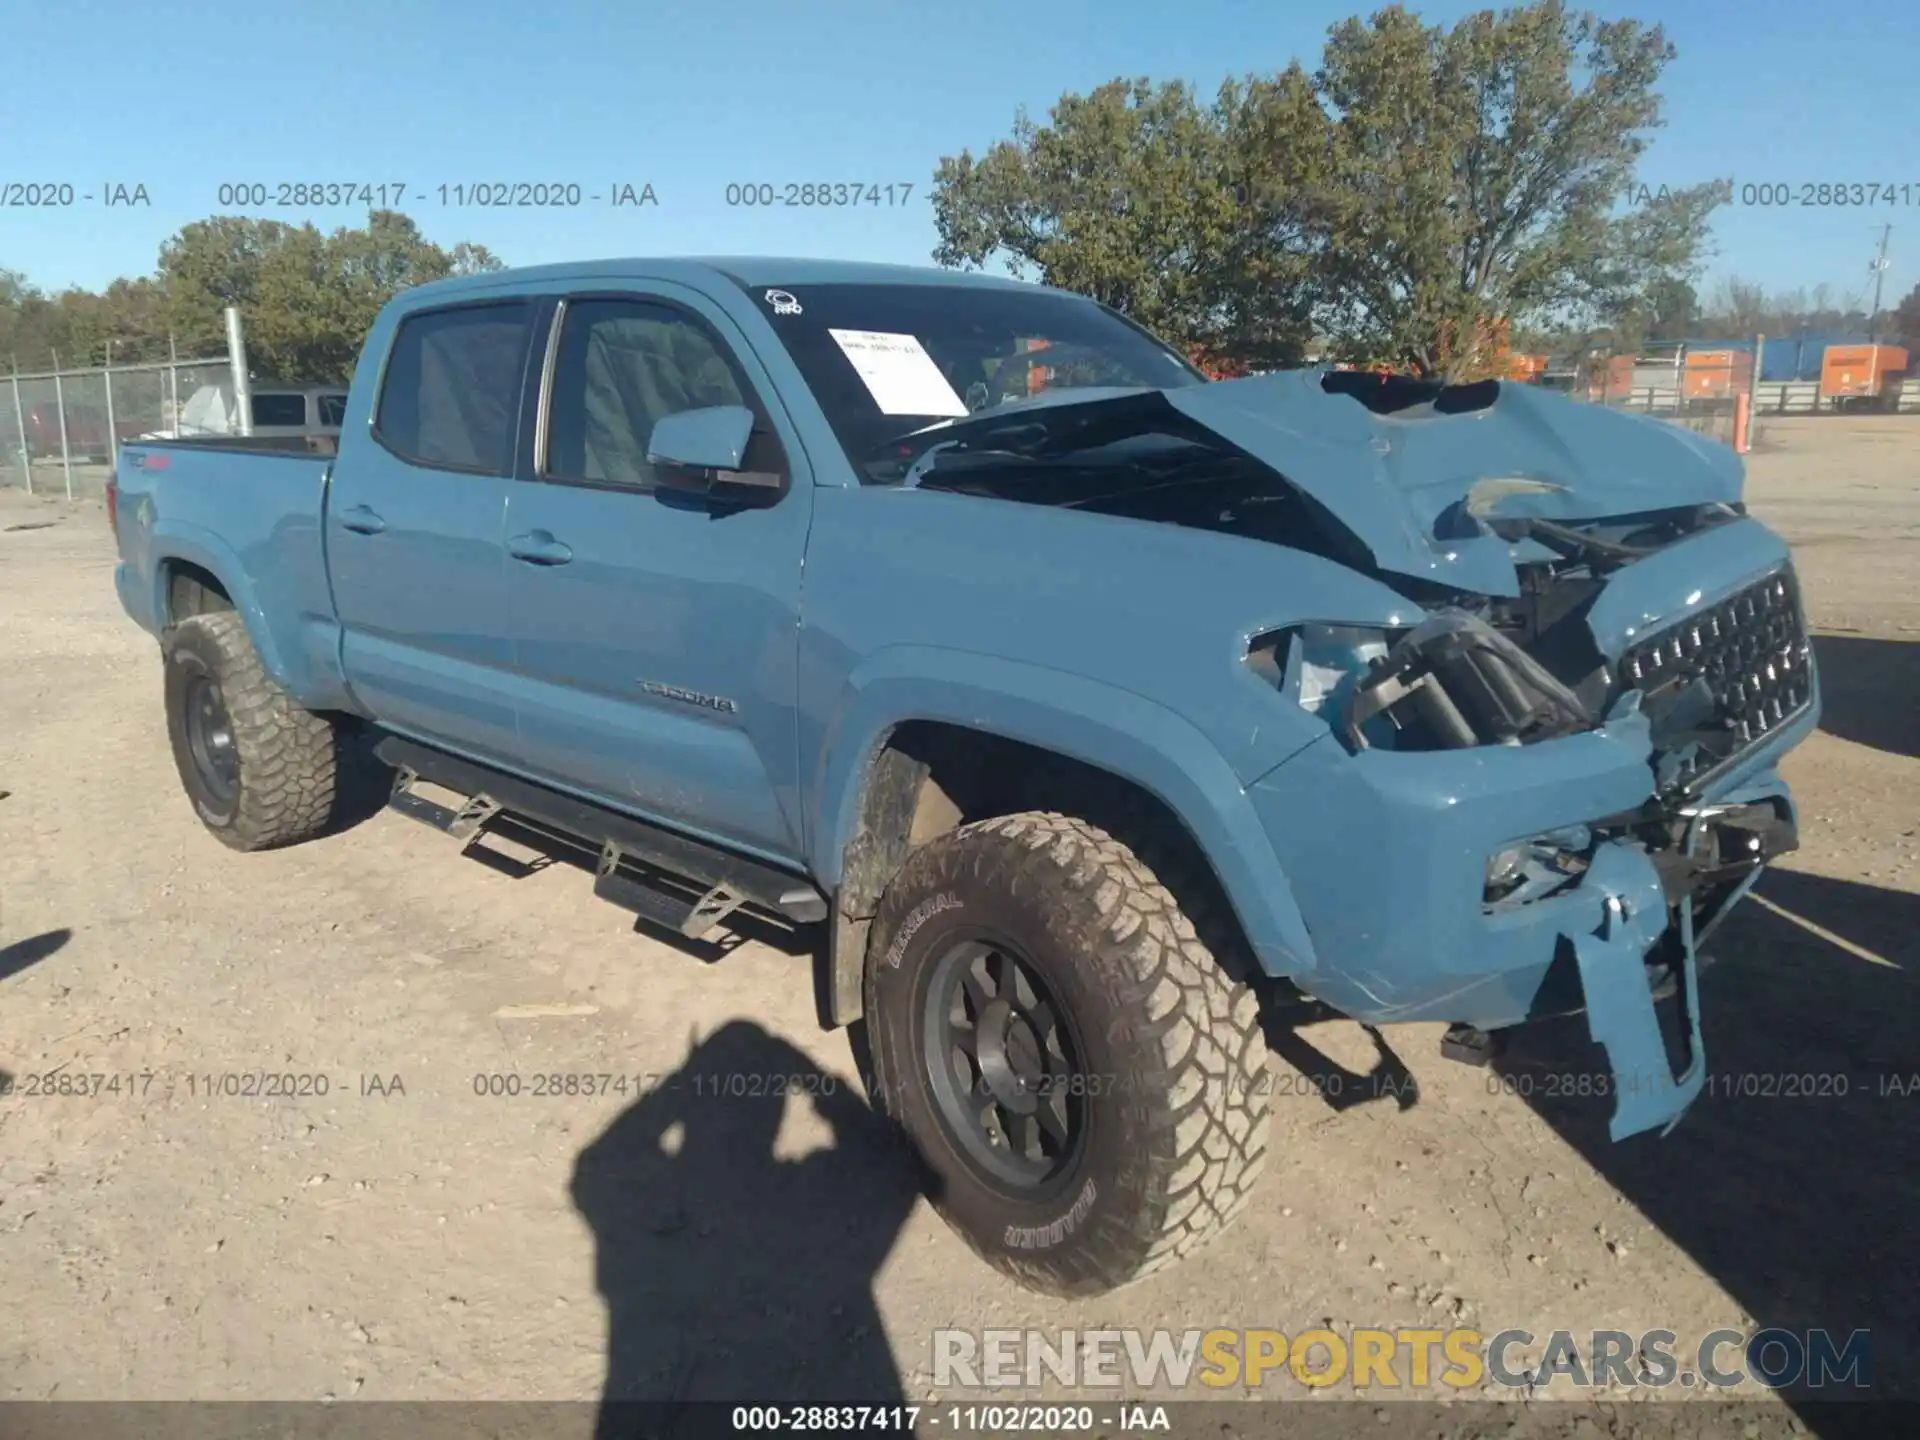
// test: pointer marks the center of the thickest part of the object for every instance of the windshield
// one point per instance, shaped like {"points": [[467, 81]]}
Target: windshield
{"points": [[886, 360]]}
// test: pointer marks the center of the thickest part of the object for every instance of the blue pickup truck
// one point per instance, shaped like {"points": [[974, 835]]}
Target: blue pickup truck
{"points": [[1079, 708]]}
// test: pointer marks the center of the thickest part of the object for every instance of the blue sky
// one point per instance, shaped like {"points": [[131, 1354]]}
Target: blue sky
{"points": [[690, 98]]}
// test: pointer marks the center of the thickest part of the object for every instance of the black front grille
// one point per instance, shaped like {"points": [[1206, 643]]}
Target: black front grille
{"points": [[1719, 681]]}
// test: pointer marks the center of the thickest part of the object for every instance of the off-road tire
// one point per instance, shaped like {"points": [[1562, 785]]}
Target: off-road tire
{"points": [[289, 758], [1176, 1120]]}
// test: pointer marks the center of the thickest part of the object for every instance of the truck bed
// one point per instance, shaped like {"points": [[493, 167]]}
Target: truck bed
{"points": [[251, 514], [270, 444]]}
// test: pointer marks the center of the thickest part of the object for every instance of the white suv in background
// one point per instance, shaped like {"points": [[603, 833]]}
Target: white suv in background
{"points": [[278, 411]]}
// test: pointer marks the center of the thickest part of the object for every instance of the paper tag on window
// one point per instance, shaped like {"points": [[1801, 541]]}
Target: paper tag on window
{"points": [[898, 373]]}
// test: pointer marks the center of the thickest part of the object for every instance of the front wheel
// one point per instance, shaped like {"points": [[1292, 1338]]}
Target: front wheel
{"points": [[1079, 1073]]}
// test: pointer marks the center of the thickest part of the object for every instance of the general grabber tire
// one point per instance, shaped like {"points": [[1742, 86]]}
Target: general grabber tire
{"points": [[260, 770], [1079, 1073]]}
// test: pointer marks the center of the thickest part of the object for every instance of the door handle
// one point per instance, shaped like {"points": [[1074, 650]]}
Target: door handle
{"points": [[538, 547], [361, 520]]}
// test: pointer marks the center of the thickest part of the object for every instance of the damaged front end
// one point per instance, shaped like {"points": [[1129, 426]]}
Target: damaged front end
{"points": [[1552, 708], [1711, 683], [1698, 690]]}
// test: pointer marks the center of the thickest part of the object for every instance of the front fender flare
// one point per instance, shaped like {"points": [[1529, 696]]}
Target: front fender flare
{"points": [[1112, 729]]}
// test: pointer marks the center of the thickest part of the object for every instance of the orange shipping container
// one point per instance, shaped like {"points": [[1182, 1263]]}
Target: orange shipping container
{"points": [[1526, 369], [1859, 369], [1615, 382], [1716, 374], [1038, 376]]}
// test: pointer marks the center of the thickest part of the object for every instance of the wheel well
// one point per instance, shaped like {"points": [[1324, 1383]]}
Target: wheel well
{"points": [[193, 591], [929, 778]]}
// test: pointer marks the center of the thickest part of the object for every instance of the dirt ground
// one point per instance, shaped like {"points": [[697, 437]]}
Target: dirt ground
{"points": [[406, 1235]]}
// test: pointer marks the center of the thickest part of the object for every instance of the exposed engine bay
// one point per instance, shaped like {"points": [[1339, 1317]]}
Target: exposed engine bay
{"points": [[1481, 669], [1509, 669], [1507, 672]]}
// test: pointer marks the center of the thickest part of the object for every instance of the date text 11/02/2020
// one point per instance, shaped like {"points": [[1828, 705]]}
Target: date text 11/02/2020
{"points": [[1733, 1085], [993, 1419], [394, 194], [64, 1083], [695, 1084], [67, 1083]]}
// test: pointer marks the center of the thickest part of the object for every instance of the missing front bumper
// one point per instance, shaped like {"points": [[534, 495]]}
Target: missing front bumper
{"points": [[1619, 1000], [1665, 903]]}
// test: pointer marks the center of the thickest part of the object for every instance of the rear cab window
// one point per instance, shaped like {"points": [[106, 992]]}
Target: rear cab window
{"points": [[450, 397]]}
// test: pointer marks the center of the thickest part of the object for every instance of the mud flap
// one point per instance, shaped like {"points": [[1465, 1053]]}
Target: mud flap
{"points": [[1620, 1009]]}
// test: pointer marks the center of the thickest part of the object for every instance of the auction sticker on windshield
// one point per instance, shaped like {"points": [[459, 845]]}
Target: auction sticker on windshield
{"points": [[898, 373]]}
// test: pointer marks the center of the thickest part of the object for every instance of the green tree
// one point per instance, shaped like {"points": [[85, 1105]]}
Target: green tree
{"points": [[307, 298], [1477, 177], [1904, 323], [1419, 191], [1669, 310], [1126, 194], [209, 265], [76, 326], [1738, 309], [19, 333]]}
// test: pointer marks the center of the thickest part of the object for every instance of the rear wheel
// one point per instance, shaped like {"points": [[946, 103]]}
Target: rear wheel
{"points": [[261, 771], [1081, 1076]]}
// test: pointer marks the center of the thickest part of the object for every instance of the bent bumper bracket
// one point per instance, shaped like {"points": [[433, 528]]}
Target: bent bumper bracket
{"points": [[1620, 1009]]}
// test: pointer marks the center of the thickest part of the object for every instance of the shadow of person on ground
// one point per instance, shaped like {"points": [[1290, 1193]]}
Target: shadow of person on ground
{"points": [[1284, 1015], [731, 1273], [1870, 691], [1794, 1181], [31, 951]]}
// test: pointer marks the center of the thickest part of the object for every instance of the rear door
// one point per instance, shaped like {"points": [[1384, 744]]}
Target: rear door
{"points": [[655, 631], [414, 527]]}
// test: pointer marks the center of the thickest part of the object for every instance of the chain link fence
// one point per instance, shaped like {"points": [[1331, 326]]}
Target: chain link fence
{"points": [[61, 429], [1701, 389], [1713, 388]]}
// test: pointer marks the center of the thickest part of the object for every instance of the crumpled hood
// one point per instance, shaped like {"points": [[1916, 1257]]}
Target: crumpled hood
{"points": [[1400, 482]]}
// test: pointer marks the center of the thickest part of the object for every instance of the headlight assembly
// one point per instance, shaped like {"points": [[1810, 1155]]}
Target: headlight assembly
{"points": [[1320, 666], [1453, 682]]}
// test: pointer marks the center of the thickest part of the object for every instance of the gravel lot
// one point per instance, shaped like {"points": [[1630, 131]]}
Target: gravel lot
{"points": [[404, 1237]]}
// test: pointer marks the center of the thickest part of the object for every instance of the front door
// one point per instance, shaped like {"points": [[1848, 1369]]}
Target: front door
{"points": [[414, 529], [655, 633]]}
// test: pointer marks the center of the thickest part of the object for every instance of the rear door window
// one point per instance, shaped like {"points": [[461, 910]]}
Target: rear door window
{"points": [[451, 396]]}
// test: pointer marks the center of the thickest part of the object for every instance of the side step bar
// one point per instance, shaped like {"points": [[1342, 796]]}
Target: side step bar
{"points": [[643, 868]]}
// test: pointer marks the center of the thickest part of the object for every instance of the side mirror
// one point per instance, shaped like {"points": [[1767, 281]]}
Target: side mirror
{"points": [[701, 450]]}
